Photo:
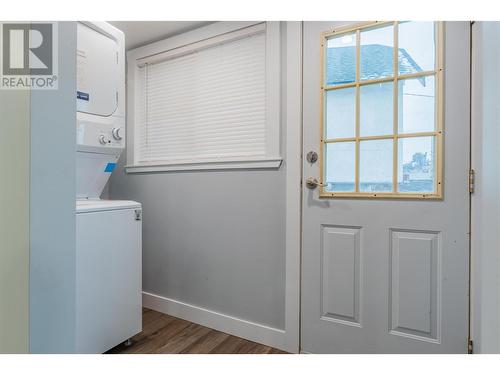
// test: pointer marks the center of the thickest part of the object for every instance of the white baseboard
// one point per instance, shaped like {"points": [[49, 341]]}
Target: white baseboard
{"points": [[238, 327]]}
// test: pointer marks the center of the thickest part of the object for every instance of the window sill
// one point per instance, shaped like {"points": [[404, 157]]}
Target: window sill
{"points": [[203, 166]]}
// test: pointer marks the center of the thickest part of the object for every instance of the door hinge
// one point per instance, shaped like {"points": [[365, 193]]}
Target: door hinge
{"points": [[472, 181], [470, 346]]}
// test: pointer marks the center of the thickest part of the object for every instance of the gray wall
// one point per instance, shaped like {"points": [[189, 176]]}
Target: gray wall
{"points": [[14, 220], [214, 239], [52, 207]]}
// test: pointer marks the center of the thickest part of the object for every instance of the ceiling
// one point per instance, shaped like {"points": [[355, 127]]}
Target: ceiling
{"points": [[138, 33]]}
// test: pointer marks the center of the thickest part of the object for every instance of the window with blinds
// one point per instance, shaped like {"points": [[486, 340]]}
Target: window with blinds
{"points": [[208, 104]]}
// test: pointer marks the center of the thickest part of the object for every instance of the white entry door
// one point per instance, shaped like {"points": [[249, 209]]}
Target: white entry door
{"points": [[385, 258]]}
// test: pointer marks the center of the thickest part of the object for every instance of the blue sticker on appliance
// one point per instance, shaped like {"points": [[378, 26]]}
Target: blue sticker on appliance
{"points": [[110, 167], [82, 95]]}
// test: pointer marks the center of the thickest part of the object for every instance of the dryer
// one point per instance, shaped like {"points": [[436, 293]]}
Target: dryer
{"points": [[100, 102], [108, 233]]}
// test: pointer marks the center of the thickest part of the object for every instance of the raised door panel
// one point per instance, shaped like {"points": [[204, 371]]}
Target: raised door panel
{"points": [[340, 271], [415, 271]]}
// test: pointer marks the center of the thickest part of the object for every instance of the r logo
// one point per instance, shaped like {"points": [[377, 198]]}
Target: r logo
{"points": [[27, 49]]}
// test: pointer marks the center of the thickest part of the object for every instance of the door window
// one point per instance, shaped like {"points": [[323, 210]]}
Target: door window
{"points": [[381, 98]]}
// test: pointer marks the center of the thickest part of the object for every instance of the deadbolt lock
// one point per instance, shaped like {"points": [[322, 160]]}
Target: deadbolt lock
{"points": [[312, 157]]}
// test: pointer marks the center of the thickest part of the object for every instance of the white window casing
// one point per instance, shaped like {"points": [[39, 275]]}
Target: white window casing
{"points": [[206, 99]]}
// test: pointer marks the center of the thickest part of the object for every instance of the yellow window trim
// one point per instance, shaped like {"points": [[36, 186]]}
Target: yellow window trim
{"points": [[439, 113]]}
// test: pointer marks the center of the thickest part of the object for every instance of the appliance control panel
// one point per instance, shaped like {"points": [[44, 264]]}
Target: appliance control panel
{"points": [[115, 137], [100, 132]]}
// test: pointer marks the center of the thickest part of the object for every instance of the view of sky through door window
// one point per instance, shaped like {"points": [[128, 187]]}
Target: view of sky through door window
{"points": [[381, 129], [377, 53]]}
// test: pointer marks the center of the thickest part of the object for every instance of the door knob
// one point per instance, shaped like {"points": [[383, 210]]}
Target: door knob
{"points": [[312, 182]]}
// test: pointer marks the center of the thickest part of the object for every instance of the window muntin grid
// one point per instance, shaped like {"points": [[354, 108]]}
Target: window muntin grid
{"points": [[354, 81]]}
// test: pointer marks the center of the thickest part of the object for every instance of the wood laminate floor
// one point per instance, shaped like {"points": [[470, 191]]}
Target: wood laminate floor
{"points": [[164, 334]]}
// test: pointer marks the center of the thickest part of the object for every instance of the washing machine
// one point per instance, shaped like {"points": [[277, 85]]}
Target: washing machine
{"points": [[108, 232]]}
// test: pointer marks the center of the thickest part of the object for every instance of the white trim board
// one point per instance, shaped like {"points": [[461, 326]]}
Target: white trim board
{"points": [[238, 327], [293, 157], [201, 166], [485, 202]]}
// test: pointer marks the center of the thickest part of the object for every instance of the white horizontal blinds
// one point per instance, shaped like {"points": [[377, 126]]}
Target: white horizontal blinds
{"points": [[206, 105]]}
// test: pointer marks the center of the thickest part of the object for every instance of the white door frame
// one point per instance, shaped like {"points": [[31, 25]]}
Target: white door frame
{"points": [[485, 201], [293, 164]]}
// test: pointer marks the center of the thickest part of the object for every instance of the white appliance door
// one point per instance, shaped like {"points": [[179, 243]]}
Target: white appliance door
{"points": [[97, 72], [108, 278], [387, 275]]}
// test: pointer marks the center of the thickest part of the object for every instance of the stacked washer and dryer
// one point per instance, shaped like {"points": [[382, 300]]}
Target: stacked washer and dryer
{"points": [[108, 232]]}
